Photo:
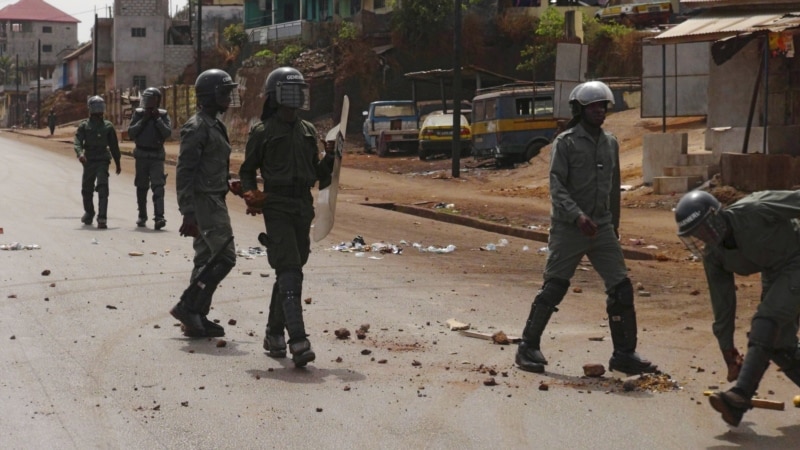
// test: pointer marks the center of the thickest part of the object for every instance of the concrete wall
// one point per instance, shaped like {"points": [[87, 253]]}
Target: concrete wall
{"points": [[177, 57], [23, 43], [139, 56], [758, 172], [661, 150]]}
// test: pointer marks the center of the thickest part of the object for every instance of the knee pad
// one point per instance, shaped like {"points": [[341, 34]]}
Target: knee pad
{"points": [[763, 333], [290, 280], [552, 292], [620, 297], [102, 190]]}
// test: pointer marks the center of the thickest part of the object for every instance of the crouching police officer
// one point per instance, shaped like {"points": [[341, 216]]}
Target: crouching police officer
{"points": [[759, 233], [94, 138], [283, 148], [202, 183], [585, 195], [149, 128]]}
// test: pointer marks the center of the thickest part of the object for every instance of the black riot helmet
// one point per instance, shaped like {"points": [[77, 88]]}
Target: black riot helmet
{"points": [[285, 86], [213, 89], [96, 105], [701, 226], [151, 98]]}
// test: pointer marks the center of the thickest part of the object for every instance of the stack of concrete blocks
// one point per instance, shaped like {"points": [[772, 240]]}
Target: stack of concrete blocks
{"points": [[668, 166]]}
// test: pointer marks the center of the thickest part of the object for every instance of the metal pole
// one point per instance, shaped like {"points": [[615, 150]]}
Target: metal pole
{"points": [[766, 94], [753, 99], [38, 84], [663, 88], [16, 104], [199, 36], [94, 49], [457, 92]]}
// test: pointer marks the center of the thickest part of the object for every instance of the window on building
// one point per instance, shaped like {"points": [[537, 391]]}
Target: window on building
{"points": [[16, 27], [47, 48], [138, 32], [140, 82], [47, 29]]}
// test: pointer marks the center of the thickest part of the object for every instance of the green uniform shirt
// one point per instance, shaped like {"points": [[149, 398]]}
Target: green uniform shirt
{"points": [[203, 160], [584, 177], [285, 153], [767, 234], [94, 138]]}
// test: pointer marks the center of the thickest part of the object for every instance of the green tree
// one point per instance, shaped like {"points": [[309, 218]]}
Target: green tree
{"points": [[543, 50], [235, 35], [421, 20]]}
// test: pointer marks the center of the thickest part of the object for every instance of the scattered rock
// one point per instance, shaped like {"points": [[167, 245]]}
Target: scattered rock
{"points": [[338, 359], [544, 387], [416, 363], [319, 409], [342, 333], [366, 351], [247, 273], [185, 403], [221, 343], [644, 294], [500, 338], [111, 307], [307, 300], [346, 388], [13, 336], [577, 290], [232, 322], [490, 382], [135, 254], [12, 296], [382, 361], [594, 370], [360, 334], [364, 327], [456, 325], [695, 292], [52, 285], [46, 272]]}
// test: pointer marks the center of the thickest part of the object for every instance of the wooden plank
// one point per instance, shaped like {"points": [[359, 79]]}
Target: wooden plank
{"points": [[767, 404], [486, 336]]}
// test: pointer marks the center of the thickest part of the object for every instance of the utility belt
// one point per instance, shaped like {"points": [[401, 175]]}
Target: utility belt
{"points": [[294, 191], [148, 148]]}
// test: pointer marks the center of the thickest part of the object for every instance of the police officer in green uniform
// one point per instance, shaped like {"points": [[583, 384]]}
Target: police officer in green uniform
{"points": [[284, 149], [759, 233], [149, 128], [94, 138], [585, 196], [201, 184]]}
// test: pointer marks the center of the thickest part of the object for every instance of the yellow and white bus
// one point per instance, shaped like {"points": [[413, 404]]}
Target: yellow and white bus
{"points": [[511, 123]]}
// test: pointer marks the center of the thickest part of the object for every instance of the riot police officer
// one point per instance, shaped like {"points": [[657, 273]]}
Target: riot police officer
{"points": [[149, 128], [585, 197], [95, 145], [202, 183], [758, 233], [283, 148]]}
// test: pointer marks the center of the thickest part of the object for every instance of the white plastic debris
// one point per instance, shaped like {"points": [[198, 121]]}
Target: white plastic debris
{"points": [[525, 248], [18, 246], [490, 247], [543, 250]]}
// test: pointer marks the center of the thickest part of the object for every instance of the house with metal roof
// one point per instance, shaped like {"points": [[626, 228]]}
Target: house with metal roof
{"points": [[33, 36], [740, 58]]}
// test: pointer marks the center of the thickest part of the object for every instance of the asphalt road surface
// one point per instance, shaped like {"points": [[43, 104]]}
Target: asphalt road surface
{"points": [[91, 358]]}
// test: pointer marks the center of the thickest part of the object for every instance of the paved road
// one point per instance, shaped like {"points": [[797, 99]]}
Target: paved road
{"points": [[90, 357]]}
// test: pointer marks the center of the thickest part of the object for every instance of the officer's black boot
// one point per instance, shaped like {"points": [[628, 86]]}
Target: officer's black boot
{"points": [[274, 339], [102, 208], [529, 356], [623, 327], [88, 209], [736, 401], [212, 278], [158, 207], [290, 285], [141, 203], [190, 319]]}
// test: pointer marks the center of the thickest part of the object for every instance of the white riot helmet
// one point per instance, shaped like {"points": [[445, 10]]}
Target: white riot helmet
{"points": [[590, 92]]}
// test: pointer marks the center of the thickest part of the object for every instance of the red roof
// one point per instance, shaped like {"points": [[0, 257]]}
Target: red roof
{"points": [[35, 10]]}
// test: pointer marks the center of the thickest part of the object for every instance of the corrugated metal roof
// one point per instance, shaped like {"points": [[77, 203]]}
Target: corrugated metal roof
{"points": [[712, 26], [35, 10], [742, 3]]}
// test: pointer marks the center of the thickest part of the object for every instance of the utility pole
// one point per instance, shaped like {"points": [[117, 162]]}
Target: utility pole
{"points": [[199, 36], [94, 49], [38, 83], [16, 104], [456, 169]]}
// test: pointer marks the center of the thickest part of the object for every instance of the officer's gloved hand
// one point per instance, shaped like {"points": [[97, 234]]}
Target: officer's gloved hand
{"points": [[189, 226], [235, 186], [254, 198], [119, 169], [82, 159], [586, 225], [734, 361]]}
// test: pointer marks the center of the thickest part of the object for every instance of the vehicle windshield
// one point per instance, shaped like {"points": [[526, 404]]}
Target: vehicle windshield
{"points": [[439, 120], [393, 110]]}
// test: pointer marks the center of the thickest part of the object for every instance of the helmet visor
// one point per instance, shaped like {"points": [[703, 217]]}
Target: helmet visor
{"points": [[97, 107], [293, 95], [706, 237]]}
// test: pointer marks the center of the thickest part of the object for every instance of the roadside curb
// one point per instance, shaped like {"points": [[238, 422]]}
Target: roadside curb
{"points": [[493, 227]]}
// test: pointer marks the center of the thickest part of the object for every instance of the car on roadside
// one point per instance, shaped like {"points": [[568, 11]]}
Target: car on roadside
{"points": [[436, 135], [391, 125], [636, 13]]}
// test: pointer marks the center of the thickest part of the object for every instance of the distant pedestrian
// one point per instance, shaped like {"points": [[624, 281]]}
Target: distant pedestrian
{"points": [[94, 138], [149, 127], [51, 121]]}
